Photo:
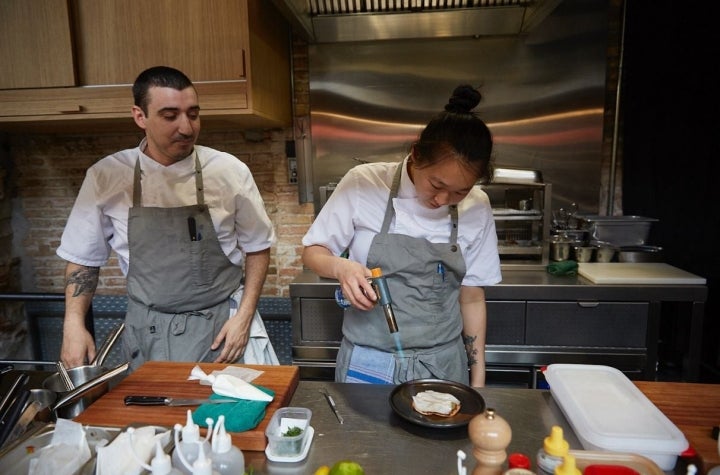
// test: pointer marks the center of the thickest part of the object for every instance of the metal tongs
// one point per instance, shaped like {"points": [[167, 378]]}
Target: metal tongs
{"points": [[331, 402], [62, 371]]}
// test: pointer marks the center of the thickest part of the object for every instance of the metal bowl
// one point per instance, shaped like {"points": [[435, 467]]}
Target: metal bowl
{"points": [[79, 376], [640, 254], [90, 383], [584, 253]]}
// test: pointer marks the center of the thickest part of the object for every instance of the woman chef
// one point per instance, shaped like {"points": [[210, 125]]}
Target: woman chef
{"points": [[431, 231]]}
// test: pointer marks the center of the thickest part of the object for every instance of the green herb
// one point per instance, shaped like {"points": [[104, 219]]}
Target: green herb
{"points": [[292, 432]]}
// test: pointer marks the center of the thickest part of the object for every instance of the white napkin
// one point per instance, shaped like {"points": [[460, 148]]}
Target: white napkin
{"points": [[229, 385], [67, 453], [118, 459], [259, 349]]}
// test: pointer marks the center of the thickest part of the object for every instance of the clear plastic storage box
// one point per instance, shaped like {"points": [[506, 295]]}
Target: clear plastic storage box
{"points": [[608, 412], [282, 441]]}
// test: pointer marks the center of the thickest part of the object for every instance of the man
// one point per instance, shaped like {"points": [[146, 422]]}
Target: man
{"points": [[182, 219]]}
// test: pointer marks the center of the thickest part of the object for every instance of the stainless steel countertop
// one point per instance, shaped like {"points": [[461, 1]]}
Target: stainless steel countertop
{"points": [[383, 443], [538, 285]]}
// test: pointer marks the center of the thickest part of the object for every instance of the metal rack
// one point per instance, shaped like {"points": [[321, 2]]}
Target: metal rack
{"points": [[522, 213]]}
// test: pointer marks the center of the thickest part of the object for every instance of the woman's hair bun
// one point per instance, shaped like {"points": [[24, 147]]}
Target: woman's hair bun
{"points": [[464, 99]]}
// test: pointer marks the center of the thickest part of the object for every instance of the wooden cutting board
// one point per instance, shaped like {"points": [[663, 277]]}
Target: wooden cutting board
{"points": [[636, 273], [695, 409], [164, 378]]}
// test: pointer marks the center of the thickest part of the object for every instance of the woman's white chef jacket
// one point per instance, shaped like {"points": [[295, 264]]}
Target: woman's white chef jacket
{"points": [[354, 213], [98, 220]]}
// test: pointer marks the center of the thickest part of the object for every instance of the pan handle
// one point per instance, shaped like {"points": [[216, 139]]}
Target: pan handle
{"points": [[107, 345], [80, 390], [12, 393]]}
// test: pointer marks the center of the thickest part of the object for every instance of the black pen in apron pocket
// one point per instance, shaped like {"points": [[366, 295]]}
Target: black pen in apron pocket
{"points": [[192, 229]]}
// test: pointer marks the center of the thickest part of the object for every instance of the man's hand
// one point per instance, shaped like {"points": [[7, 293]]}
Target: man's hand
{"points": [[235, 333], [78, 346]]}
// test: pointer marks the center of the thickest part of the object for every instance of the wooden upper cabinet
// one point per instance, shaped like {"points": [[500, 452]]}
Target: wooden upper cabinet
{"points": [[236, 52], [117, 39], [35, 44]]}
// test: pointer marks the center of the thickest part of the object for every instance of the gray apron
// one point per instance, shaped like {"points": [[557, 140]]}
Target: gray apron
{"points": [[179, 280], [424, 283]]}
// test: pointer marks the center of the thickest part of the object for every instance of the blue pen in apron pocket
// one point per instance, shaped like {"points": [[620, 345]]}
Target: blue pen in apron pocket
{"points": [[441, 270]]}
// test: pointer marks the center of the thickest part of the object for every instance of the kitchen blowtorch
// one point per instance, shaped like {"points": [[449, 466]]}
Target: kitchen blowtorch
{"points": [[381, 289]]}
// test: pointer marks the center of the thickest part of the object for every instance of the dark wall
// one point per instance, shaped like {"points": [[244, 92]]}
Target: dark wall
{"points": [[671, 145]]}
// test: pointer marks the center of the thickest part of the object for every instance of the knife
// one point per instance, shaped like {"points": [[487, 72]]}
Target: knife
{"points": [[171, 401]]}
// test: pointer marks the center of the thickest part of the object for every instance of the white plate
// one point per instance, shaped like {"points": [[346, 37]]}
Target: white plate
{"points": [[294, 458]]}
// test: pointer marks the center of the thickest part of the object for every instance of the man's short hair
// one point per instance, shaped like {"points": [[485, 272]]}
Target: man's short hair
{"points": [[157, 76]]}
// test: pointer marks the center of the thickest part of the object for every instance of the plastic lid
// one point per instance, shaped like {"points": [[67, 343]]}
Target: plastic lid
{"points": [[221, 440], [554, 444], [518, 460], [567, 467], [376, 272], [190, 431]]}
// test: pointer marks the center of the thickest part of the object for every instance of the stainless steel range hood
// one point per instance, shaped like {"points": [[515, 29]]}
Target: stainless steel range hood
{"points": [[332, 21]]}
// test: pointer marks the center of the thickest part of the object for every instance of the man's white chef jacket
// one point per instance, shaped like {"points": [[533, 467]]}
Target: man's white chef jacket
{"points": [[98, 220]]}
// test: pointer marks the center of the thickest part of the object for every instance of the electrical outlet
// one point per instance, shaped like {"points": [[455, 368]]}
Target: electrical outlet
{"points": [[292, 171]]}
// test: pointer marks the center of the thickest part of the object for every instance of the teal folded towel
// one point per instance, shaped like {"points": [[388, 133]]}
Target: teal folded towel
{"points": [[563, 268], [239, 416]]}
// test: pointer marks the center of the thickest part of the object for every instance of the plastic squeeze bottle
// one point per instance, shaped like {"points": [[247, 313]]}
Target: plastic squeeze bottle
{"points": [[555, 447], [202, 464], [189, 445], [160, 463], [226, 458], [568, 467]]}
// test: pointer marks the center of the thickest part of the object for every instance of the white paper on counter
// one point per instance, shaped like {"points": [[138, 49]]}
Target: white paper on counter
{"points": [[67, 453], [118, 459]]}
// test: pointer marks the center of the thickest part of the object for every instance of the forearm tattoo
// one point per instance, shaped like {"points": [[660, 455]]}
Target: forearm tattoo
{"points": [[85, 280], [470, 349]]}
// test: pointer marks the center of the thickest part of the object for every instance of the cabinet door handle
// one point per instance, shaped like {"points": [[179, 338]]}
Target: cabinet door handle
{"points": [[588, 303], [74, 110]]}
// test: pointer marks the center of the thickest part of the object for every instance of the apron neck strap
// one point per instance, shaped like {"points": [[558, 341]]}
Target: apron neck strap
{"points": [[199, 183], [454, 222], [137, 184], [390, 211]]}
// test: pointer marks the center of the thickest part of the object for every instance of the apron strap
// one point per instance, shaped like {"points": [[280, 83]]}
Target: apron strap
{"points": [[199, 183], [137, 187], [390, 211], [454, 222]]}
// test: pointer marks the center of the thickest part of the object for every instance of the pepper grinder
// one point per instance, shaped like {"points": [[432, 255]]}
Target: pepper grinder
{"points": [[490, 435]]}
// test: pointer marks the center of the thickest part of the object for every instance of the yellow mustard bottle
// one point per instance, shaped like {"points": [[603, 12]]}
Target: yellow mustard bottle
{"points": [[554, 448]]}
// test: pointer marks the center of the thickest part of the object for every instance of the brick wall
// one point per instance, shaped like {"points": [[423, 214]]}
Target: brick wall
{"points": [[48, 170]]}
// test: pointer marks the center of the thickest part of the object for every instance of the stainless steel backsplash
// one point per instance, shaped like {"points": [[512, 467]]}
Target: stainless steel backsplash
{"points": [[543, 99]]}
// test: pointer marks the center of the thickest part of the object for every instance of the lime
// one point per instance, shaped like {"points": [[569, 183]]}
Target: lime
{"points": [[323, 470], [347, 467]]}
